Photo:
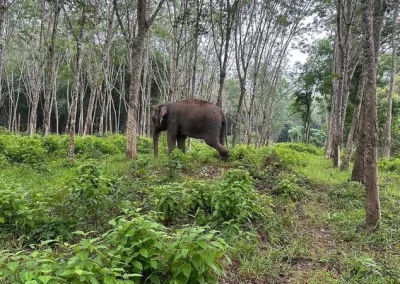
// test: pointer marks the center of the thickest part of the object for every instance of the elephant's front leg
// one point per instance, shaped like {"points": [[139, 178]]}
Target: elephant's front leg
{"points": [[171, 139], [181, 143]]}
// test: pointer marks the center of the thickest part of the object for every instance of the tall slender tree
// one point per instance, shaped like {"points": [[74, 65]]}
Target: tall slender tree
{"points": [[135, 37], [371, 47], [389, 119]]}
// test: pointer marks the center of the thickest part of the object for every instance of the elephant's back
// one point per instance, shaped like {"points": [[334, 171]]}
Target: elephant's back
{"points": [[196, 102]]}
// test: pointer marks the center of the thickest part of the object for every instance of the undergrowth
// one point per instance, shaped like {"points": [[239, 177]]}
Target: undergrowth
{"points": [[270, 214]]}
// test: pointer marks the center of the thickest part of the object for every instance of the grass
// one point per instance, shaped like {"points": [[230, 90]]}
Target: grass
{"points": [[308, 228]]}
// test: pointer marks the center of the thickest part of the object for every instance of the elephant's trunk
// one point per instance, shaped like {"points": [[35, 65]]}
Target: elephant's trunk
{"points": [[156, 135]]}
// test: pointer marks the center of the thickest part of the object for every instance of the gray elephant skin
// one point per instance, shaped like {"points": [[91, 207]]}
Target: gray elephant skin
{"points": [[190, 118]]}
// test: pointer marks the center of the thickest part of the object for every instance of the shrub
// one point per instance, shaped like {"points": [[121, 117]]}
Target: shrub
{"points": [[139, 165], [290, 157], [390, 165], [20, 213], [235, 198], [176, 163], [92, 188], [144, 145], [22, 149], [138, 243], [136, 250], [195, 256], [56, 145], [287, 186], [232, 198]]}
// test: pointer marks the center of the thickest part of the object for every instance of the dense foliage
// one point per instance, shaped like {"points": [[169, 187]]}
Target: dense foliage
{"points": [[187, 218]]}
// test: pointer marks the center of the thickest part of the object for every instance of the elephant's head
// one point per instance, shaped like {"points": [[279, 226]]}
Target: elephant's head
{"points": [[159, 123]]}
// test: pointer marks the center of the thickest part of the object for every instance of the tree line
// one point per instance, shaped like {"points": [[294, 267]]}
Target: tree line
{"points": [[99, 66]]}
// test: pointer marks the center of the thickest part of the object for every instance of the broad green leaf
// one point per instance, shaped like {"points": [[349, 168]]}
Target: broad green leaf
{"points": [[79, 271], [45, 278], [155, 279], [187, 269], [138, 265], [109, 279], [13, 265], [143, 252], [185, 252]]}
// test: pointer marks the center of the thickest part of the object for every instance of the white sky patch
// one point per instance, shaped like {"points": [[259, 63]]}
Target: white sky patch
{"points": [[295, 55]]}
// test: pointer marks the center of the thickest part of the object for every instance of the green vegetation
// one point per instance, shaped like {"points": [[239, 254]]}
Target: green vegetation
{"points": [[270, 214]]}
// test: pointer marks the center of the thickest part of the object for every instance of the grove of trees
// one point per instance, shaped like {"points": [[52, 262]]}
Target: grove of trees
{"points": [[100, 66]]}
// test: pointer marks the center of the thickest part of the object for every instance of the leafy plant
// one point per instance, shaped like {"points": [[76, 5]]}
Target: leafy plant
{"points": [[195, 256], [234, 198]]}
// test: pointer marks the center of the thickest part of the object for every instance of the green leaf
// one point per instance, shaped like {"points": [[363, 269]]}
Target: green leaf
{"points": [[185, 252], [28, 275], [200, 279], [155, 279], [109, 279], [187, 269], [79, 271], [1, 220], [13, 265], [197, 261], [45, 278], [154, 264], [138, 265], [93, 280], [144, 252]]}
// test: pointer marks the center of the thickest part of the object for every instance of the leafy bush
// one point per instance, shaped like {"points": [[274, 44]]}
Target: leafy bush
{"points": [[24, 149], [390, 165], [300, 147], [136, 250], [3, 161], [195, 256], [138, 243], [56, 145], [91, 187], [202, 153], [176, 163], [287, 186], [21, 214], [290, 157], [232, 198], [139, 166], [173, 200], [235, 197], [144, 145]]}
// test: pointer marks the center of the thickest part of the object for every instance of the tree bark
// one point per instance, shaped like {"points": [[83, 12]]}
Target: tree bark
{"points": [[77, 86], [223, 47], [136, 45], [371, 48], [50, 72], [3, 10], [356, 116], [388, 125]]}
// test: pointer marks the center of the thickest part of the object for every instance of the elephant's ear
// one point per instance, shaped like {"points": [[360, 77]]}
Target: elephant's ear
{"points": [[163, 113]]}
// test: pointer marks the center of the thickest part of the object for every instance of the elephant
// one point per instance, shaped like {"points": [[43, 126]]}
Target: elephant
{"points": [[190, 118]]}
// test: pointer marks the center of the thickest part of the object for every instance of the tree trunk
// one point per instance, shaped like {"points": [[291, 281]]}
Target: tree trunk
{"points": [[77, 88], [371, 120], [354, 123], [223, 53], [50, 72], [388, 125], [3, 10]]}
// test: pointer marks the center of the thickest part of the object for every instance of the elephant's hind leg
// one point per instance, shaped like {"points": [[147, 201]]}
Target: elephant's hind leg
{"points": [[223, 151]]}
